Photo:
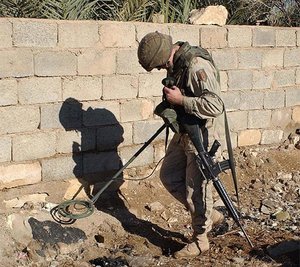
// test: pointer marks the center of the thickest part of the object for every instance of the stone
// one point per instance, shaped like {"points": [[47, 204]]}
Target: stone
{"points": [[20, 228], [282, 215], [210, 15], [13, 175], [19, 202], [155, 206]]}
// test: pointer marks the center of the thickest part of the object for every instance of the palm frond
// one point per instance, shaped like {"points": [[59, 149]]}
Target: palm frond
{"points": [[68, 9], [134, 10], [20, 8]]}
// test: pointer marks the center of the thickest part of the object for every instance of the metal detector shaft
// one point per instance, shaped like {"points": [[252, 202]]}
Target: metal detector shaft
{"points": [[147, 143]]}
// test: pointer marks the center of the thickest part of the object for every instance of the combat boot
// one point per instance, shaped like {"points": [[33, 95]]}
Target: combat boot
{"points": [[194, 249], [216, 217]]}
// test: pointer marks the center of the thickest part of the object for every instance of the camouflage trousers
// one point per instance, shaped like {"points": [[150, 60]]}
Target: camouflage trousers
{"points": [[182, 178]]}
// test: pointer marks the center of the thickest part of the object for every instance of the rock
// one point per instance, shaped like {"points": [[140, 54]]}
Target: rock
{"points": [[20, 201], [208, 16], [21, 230], [155, 206], [265, 210], [269, 203], [281, 215], [294, 138], [238, 260], [278, 188]]}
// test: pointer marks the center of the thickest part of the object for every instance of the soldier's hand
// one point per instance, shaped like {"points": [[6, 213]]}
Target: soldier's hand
{"points": [[174, 95]]}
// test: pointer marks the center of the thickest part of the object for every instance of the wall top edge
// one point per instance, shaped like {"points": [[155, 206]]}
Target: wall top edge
{"points": [[101, 22]]}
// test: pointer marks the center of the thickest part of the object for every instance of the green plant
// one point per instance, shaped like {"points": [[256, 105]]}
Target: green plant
{"points": [[68, 9], [20, 8]]}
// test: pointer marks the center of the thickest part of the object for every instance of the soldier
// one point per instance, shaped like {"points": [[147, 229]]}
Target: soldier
{"points": [[195, 93]]}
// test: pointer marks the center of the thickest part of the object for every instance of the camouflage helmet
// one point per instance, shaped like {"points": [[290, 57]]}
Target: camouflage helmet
{"points": [[154, 50]]}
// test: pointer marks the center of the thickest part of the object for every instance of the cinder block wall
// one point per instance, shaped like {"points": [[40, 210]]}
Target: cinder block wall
{"points": [[75, 102]]}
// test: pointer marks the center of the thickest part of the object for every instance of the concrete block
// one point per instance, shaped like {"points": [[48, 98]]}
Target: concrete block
{"points": [[271, 137], [143, 28], [249, 137], [252, 100], [285, 77], [143, 130], [5, 148], [117, 34], [145, 158], [19, 119], [234, 36], [186, 33], [286, 37], [262, 79], [213, 37], [150, 84], [281, 118], [298, 76], [16, 63], [259, 119], [237, 120], [39, 90], [127, 135], [109, 137], [8, 92], [62, 168], [296, 114], [239, 79], [223, 81], [274, 99], [34, 33], [134, 110], [82, 88], [225, 59], [250, 58], [293, 96], [298, 37], [232, 100], [13, 175], [273, 58], [50, 116], [125, 56], [264, 36], [76, 141], [101, 162], [55, 63], [5, 34], [101, 113], [119, 87], [292, 57], [34, 146], [78, 34], [97, 62]]}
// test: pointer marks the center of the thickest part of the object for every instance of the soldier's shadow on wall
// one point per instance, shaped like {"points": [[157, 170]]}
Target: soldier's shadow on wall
{"points": [[96, 161]]}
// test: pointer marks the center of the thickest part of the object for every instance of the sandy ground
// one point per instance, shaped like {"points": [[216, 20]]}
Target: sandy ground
{"points": [[142, 225]]}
